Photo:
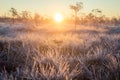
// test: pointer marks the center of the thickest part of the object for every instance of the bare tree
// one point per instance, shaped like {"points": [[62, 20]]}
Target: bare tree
{"points": [[37, 18], [97, 12], [25, 15], [76, 8], [14, 14]]}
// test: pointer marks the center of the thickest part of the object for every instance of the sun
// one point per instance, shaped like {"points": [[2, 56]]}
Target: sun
{"points": [[58, 17]]}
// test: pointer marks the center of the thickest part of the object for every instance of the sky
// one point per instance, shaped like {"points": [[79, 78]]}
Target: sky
{"points": [[49, 7]]}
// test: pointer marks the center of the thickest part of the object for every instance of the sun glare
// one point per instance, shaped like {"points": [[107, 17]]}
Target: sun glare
{"points": [[58, 17]]}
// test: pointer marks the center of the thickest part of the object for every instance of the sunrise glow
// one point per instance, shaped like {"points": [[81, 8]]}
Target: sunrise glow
{"points": [[58, 17]]}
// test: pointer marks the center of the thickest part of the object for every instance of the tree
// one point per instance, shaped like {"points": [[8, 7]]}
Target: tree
{"points": [[98, 16], [14, 14], [37, 18], [97, 12], [76, 8], [25, 15]]}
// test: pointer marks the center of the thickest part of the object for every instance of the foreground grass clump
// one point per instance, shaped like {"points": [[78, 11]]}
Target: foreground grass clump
{"points": [[84, 55]]}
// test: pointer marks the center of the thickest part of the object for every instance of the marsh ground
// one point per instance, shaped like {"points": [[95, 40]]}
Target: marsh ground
{"points": [[59, 52]]}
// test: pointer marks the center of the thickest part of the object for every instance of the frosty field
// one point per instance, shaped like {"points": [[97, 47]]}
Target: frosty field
{"points": [[59, 52]]}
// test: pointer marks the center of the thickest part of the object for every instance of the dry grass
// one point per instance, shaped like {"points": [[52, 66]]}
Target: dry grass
{"points": [[89, 53]]}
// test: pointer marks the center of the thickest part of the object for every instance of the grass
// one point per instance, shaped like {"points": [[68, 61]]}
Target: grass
{"points": [[90, 53]]}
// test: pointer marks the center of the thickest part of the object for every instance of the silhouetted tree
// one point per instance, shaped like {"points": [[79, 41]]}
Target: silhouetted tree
{"points": [[37, 18], [97, 12], [25, 15], [115, 21], [76, 8], [14, 14]]}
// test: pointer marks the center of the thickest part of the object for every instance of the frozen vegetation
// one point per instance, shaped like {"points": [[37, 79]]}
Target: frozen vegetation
{"points": [[59, 52]]}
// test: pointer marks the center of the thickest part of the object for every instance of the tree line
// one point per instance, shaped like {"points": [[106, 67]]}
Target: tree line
{"points": [[23, 16], [94, 18]]}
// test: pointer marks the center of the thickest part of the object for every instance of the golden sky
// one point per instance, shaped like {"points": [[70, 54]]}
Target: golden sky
{"points": [[49, 7]]}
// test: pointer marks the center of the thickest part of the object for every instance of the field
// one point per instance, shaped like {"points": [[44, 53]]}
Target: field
{"points": [[59, 52]]}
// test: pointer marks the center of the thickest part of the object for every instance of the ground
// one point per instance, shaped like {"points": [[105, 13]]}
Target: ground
{"points": [[59, 52]]}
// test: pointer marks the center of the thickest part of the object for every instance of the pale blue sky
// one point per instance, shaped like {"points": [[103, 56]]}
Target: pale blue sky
{"points": [[49, 7]]}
